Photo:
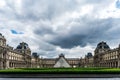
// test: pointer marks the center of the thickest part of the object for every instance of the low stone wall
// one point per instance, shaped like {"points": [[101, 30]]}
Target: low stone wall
{"points": [[60, 75]]}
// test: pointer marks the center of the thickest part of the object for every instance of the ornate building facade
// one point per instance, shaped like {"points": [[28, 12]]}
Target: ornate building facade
{"points": [[16, 58], [106, 57], [21, 57]]}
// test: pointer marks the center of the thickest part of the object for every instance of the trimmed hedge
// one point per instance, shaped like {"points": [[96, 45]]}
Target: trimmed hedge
{"points": [[63, 71]]}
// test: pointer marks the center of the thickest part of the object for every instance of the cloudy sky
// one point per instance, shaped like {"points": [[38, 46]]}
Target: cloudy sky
{"points": [[51, 27]]}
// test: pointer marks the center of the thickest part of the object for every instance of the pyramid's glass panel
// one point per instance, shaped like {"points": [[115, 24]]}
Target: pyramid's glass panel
{"points": [[62, 63]]}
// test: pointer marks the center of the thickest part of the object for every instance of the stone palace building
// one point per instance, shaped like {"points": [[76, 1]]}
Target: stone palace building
{"points": [[21, 57]]}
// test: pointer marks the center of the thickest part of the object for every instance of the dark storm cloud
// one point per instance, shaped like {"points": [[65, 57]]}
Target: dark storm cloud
{"points": [[43, 29], [69, 41], [46, 47], [91, 32]]}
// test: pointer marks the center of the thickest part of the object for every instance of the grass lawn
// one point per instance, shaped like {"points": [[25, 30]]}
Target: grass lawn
{"points": [[63, 70]]}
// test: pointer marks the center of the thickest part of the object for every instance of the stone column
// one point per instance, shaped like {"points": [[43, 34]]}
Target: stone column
{"points": [[115, 64], [7, 64], [118, 56], [118, 63], [109, 64], [1, 65]]}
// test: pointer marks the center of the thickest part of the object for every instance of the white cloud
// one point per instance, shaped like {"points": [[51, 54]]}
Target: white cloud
{"points": [[111, 11], [2, 3], [42, 21], [75, 51]]}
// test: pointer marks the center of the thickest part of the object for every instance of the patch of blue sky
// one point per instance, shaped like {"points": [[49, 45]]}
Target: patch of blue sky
{"points": [[15, 32], [118, 4]]}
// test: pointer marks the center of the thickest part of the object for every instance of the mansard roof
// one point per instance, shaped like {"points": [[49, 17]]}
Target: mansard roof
{"points": [[103, 45], [89, 55], [2, 37], [23, 45]]}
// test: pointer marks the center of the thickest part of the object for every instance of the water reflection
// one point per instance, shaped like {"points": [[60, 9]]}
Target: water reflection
{"points": [[59, 78]]}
